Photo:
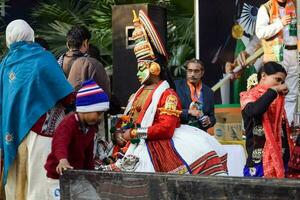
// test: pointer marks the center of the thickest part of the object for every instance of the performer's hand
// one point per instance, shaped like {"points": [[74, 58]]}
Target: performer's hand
{"points": [[281, 89], [229, 70], [286, 20], [229, 67], [63, 165], [126, 135], [194, 112], [241, 59], [119, 138]]}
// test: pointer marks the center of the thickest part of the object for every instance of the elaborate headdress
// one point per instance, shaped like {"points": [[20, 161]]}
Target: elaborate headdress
{"points": [[147, 43]]}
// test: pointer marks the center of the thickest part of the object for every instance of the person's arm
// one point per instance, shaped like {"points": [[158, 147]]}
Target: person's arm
{"points": [[265, 30], [164, 128], [61, 141], [261, 105], [241, 58]]}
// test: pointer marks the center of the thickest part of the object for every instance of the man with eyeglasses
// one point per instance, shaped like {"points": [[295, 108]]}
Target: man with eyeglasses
{"points": [[196, 97]]}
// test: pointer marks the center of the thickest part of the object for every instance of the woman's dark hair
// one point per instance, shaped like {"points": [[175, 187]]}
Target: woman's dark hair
{"points": [[165, 73], [76, 36], [270, 68]]}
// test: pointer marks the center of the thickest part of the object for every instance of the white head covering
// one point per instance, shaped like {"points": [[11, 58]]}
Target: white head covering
{"points": [[18, 30]]}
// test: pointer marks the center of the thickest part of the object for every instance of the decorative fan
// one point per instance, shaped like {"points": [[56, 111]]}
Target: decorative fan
{"points": [[248, 18]]}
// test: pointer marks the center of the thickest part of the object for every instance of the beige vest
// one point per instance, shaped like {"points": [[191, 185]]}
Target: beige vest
{"points": [[268, 44]]}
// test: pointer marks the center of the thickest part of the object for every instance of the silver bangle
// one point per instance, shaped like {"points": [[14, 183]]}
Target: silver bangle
{"points": [[142, 133]]}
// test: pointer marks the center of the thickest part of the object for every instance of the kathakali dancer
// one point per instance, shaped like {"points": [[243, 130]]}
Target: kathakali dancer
{"points": [[158, 143]]}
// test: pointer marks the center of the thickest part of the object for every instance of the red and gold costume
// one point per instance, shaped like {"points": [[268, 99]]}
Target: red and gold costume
{"points": [[160, 133], [163, 144]]}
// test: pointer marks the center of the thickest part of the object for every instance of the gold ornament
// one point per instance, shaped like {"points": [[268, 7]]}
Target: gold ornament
{"points": [[237, 31], [170, 107], [154, 68], [135, 18]]}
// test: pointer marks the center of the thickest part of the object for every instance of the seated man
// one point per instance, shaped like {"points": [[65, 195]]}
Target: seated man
{"points": [[197, 99]]}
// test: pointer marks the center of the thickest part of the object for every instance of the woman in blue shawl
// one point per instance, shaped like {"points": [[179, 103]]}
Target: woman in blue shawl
{"points": [[31, 83]]}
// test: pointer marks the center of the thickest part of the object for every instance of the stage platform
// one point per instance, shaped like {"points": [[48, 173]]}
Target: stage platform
{"points": [[91, 185]]}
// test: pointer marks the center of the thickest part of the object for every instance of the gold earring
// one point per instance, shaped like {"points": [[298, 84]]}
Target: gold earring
{"points": [[154, 68]]}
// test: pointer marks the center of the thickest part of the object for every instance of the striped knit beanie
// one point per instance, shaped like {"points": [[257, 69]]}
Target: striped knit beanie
{"points": [[91, 98]]}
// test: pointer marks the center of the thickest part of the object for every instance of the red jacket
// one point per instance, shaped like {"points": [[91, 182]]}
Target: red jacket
{"points": [[70, 142]]}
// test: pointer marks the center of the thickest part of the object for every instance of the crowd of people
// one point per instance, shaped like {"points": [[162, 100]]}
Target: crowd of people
{"points": [[52, 110]]}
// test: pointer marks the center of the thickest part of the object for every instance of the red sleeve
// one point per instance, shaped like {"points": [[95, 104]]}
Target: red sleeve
{"points": [[62, 139], [89, 155], [166, 119]]}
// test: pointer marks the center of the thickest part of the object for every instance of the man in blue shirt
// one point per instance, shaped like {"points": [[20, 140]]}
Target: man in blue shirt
{"points": [[196, 97]]}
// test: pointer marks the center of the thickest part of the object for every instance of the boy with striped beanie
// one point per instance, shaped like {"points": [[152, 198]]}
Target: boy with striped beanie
{"points": [[73, 141]]}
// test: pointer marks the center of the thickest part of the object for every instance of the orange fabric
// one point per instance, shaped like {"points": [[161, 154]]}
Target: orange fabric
{"points": [[272, 156], [195, 91], [251, 95], [272, 124]]}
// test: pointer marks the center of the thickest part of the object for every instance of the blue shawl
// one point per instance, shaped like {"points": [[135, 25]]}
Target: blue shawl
{"points": [[31, 82]]}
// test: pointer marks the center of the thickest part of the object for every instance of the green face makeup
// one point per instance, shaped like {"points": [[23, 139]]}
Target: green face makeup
{"points": [[143, 72]]}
